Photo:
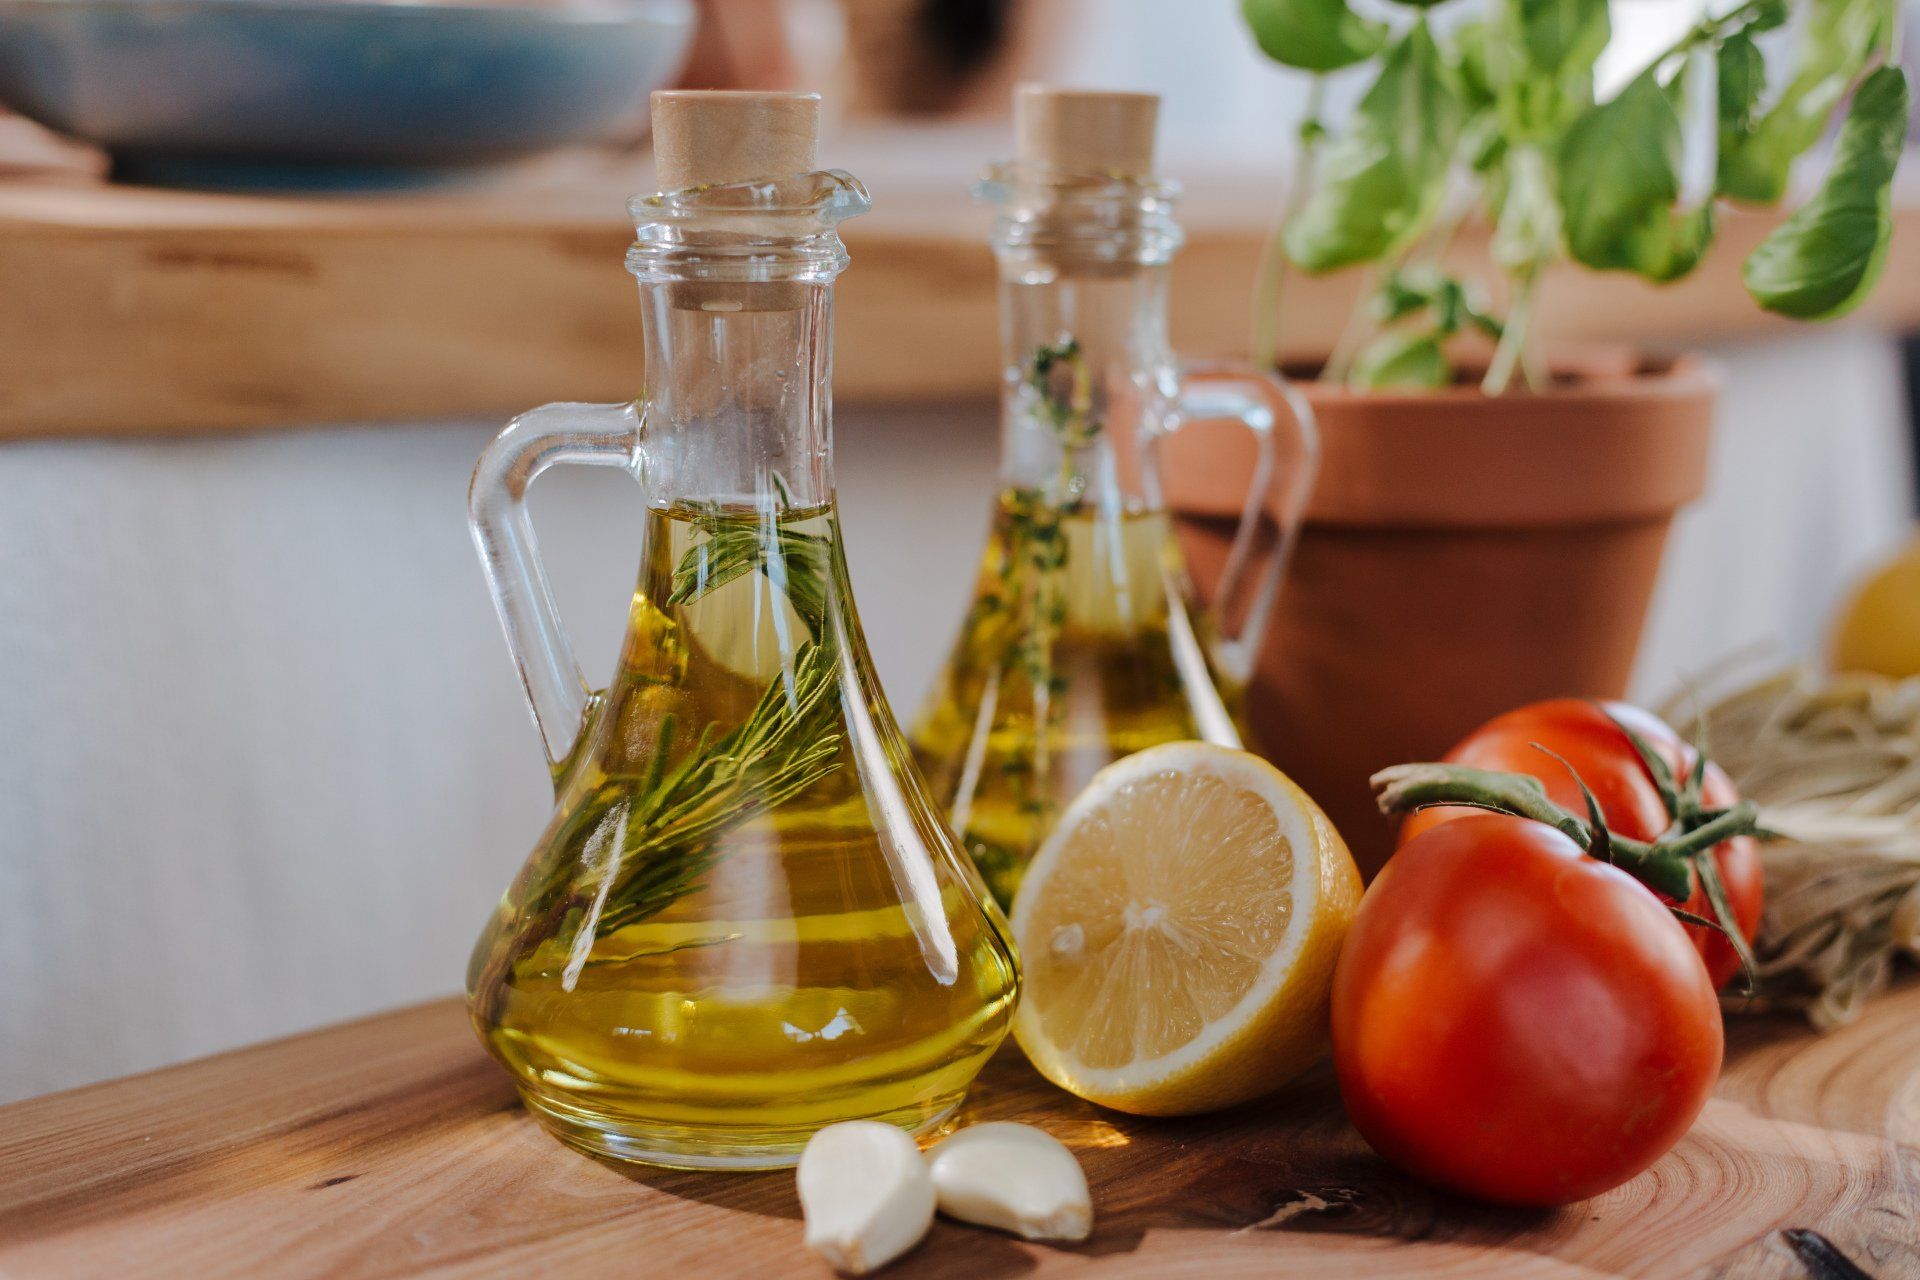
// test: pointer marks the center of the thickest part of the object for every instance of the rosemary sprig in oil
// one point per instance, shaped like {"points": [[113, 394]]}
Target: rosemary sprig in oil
{"points": [[1066, 404], [671, 823], [785, 745], [660, 830], [796, 564], [1059, 386]]}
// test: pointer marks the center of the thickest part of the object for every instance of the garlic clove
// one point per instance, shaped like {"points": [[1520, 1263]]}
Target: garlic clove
{"points": [[1013, 1177], [866, 1193]]}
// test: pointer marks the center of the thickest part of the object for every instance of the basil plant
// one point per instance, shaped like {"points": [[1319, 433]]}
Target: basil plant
{"points": [[1497, 113]]}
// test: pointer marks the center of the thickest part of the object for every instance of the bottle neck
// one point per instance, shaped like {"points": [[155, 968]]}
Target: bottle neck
{"points": [[737, 286], [1088, 372], [739, 405]]}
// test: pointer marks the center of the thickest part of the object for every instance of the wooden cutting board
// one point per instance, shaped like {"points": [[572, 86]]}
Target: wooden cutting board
{"points": [[394, 1147]]}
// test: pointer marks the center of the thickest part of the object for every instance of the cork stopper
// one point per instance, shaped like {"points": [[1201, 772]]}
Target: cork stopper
{"points": [[711, 137], [705, 137], [1084, 130]]}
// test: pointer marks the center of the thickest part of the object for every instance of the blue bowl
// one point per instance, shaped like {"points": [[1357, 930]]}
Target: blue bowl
{"points": [[280, 92]]}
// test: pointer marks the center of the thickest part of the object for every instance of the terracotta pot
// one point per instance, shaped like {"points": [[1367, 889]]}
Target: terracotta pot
{"points": [[1462, 555]]}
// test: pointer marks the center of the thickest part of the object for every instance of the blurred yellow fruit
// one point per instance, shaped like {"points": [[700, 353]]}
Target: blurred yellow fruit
{"points": [[1879, 628]]}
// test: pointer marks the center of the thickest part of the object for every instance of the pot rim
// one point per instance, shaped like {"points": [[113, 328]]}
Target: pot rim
{"points": [[1600, 382], [1625, 443]]}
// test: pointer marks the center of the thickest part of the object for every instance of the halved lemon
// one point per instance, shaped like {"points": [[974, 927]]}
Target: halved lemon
{"points": [[1179, 930]]}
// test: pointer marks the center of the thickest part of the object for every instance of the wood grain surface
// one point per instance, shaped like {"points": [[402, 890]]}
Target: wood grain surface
{"points": [[393, 1147], [139, 311]]}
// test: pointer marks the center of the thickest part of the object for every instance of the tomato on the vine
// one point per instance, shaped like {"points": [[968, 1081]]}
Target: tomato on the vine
{"points": [[1517, 1021], [1586, 736]]}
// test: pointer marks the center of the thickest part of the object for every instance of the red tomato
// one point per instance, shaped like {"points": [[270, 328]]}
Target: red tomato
{"points": [[1516, 1021], [1584, 734]]}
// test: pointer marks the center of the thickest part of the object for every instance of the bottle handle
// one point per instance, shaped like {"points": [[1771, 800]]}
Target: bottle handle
{"points": [[1283, 476], [605, 435]]}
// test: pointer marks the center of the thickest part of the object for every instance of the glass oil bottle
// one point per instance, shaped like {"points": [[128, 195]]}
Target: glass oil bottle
{"points": [[746, 918], [1082, 642]]}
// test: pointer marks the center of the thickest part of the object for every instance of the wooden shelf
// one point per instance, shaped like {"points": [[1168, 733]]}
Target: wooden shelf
{"points": [[395, 1147], [134, 310]]}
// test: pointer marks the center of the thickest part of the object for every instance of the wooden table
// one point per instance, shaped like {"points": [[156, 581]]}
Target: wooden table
{"points": [[394, 1147]]}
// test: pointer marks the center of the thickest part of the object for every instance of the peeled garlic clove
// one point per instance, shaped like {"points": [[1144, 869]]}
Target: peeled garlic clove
{"points": [[866, 1193], [1014, 1177]]}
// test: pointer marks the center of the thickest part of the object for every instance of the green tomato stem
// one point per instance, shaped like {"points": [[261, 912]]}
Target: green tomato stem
{"points": [[1664, 866], [1742, 819]]}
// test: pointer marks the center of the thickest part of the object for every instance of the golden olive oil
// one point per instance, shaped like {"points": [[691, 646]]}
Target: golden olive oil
{"points": [[713, 951], [1078, 648]]}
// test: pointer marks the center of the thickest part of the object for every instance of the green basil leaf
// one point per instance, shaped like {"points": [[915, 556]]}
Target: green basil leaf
{"points": [[1313, 35], [1742, 78], [1840, 37], [1845, 33], [1562, 35], [1483, 143], [1666, 246], [1485, 323], [1619, 179], [1482, 135], [1381, 178], [1450, 307], [1768, 16], [1824, 260], [1402, 295], [1406, 360], [1620, 160], [1540, 57], [1473, 78]]}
